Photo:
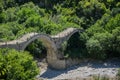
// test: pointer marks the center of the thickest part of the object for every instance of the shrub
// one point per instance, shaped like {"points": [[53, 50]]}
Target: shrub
{"points": [[37, 49], [99, 46], [105, 40], [116, 33], [95, 50], [113, 23], [16, 65]]}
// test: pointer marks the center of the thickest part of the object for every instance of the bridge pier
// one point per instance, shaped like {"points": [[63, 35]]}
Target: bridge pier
{"points": [[57, 64]]}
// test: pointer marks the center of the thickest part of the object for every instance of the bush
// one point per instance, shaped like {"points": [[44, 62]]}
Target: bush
{"points": [[105, 40], [99, 46], [95, 50], [37, 49], [116, 44], [16, 65], [113, 23]]}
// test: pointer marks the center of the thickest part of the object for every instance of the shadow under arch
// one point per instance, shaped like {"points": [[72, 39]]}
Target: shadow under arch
{"points": [[72, 46], [75, 31], [38, 50], [71, 41]]}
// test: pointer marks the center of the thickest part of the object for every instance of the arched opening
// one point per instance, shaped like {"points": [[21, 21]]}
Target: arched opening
{"points": [[47, 47], [72, 46], [37, 49], [39, 52]]}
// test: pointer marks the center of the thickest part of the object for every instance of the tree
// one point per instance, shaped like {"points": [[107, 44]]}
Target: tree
{"points": [[90, 11], [16, 65]]}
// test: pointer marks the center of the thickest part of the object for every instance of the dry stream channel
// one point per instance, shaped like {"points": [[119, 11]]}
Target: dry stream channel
{"points": [[84, 70]]}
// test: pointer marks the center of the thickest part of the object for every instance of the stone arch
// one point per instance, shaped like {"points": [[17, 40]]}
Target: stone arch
{"points": [[49, 45], [69, 34], [64, 36], [72, 33], [52, 44], [52, 51]]}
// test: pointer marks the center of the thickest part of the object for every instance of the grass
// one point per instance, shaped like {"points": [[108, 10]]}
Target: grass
{"points": [[100, 78]]}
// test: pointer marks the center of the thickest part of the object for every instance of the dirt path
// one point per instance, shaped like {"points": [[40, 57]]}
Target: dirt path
{"points": [[109, 68]]}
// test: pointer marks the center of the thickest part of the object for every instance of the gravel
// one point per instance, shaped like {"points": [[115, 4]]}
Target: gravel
{"points": [[108, 68]]}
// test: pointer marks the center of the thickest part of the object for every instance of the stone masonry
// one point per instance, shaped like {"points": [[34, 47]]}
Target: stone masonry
{"points": [[52, 44]]}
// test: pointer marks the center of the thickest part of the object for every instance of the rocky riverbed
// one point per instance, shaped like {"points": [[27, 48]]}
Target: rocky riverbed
{"points": [[84, 70]]}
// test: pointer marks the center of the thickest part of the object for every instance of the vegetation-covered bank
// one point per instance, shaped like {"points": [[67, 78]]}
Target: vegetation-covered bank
{"points": [[17, 65], [99, 18]]}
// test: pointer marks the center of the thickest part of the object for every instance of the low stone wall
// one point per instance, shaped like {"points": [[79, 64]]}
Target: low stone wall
{"points": [[64, 63], [57, 64], [70, 62]]}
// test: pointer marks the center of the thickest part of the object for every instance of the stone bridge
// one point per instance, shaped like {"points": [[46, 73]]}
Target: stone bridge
{"points": [[52, 44]]}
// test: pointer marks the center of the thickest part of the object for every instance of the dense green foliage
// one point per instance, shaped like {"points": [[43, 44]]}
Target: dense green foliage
{"points": [[37, 49], [16, 65], [100, 20]]}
